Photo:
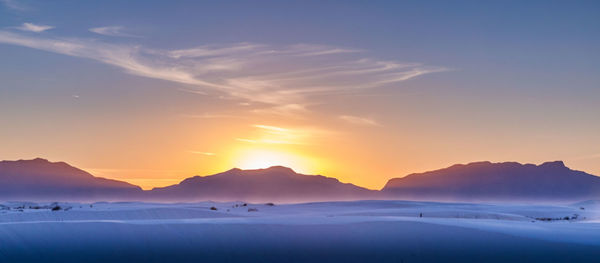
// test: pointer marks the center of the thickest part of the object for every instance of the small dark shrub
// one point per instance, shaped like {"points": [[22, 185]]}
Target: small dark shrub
{"points": [[252, 210], [213, 208], [270, 204], [56, 208], [245, 204]]}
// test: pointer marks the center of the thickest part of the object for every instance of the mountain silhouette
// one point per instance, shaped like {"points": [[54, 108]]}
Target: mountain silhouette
{"points": [[497, 181], [276, 183], [39, 179]]}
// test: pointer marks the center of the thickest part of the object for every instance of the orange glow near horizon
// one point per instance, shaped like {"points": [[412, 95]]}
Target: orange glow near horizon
{"points": [[260, 157], [366, 156], [340, 150], [322, 96]]}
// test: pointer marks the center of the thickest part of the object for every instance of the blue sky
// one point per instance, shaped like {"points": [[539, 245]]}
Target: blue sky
{"points": [[494, 80]]}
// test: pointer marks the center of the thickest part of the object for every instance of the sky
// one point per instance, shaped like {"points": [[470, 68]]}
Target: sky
{"points": [[152, 92]]}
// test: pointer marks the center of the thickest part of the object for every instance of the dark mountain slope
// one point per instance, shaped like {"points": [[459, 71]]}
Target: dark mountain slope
{"points": [[39, 179], [272, 184], [497, 181]]}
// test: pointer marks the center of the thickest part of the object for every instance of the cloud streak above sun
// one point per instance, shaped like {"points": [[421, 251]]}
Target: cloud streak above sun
{"points": [[359, 120], [279, 78], [202, 153], [268, 134]]}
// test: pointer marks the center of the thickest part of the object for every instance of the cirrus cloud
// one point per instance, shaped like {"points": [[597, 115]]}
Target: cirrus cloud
{"points": [[281, 79], [202, 153], [359, 120], [31, 27], [113, 31], [14, 5]]}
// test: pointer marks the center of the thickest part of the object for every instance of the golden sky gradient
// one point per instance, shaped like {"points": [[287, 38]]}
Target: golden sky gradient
{"points": [[362, 92]]}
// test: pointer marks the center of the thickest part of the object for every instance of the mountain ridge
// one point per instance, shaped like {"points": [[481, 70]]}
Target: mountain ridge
{"points": [[39, 178], [504, 180], [276, 182], [483, 180]]}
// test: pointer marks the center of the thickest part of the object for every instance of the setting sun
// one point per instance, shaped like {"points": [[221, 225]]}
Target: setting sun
{"points": [[264, 158]]}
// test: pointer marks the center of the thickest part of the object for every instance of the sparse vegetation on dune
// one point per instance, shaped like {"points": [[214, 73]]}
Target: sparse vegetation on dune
{"points": [[566, 218]]}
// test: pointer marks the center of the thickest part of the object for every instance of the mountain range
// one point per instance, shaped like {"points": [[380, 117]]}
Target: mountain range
{"points": [[274, 183], [497, 181], [40, 179]]}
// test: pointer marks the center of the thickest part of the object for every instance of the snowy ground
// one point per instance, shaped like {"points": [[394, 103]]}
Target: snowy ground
{"points": [[360, 231]]}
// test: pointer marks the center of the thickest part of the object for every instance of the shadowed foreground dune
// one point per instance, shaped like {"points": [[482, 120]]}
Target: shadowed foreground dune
{"points": [[363, 231]]}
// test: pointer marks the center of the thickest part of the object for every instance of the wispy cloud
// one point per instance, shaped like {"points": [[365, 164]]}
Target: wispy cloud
{"points": [[210, 116], [317, 50], [34, 28], [268, 134], [246, 140], [14, 5], [203, 153], [276, 79], [213, 50], [199, 92], [287, 110], [359, 120], [266, 141], [113, 31], [272, 129], [133, 59]]}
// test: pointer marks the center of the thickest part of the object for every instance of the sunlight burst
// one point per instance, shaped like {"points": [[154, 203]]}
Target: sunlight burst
{"points": [[261, 158]]}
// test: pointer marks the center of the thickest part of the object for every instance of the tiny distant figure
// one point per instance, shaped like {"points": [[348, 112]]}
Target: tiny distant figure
{"points": [[420, 214]]}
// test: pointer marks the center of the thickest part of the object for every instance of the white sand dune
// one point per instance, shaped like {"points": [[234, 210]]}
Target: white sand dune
{"points": [[358, 231]]}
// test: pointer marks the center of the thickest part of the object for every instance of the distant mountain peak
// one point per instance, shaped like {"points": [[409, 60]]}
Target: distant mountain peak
{"points": [[41, 179], [277, 169], [35, 160], [39, 163], [233, 170], [267, 184], [506, 180], [554, 164]]}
